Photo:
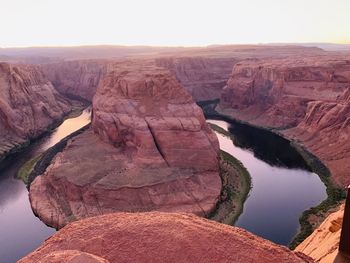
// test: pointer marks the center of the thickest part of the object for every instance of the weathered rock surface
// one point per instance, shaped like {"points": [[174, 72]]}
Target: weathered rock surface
{"points": [[203, 77], [322, 244], [150, 149], [78, 78], [29, 105], [70, 256], [308, 100], [162, 237]]}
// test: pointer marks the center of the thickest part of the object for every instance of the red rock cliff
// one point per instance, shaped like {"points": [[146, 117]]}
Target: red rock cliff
{"points": [[308, 99], [203, 77], [151, 149], [78, 78], [160, 237], [29, 104]]}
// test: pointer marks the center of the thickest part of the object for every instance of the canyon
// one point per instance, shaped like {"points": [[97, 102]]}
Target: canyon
{"points": [[157, 236], [149, 147], [77, 79], [29, 106], [305, 99]]}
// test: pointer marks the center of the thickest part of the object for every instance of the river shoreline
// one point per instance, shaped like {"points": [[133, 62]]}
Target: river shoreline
{"points": [[236, 185], [77, 107], [311, 218]]}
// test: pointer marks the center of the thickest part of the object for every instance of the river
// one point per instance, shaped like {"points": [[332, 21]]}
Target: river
{"points": [[20, 231], [282, 186]]}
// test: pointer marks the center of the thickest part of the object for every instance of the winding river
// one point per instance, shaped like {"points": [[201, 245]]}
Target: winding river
{"points": [[282, 186], [20, 231]]}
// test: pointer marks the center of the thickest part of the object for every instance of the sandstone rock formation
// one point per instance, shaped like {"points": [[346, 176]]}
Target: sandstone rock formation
{"points": [[322, 244], [78, 78], [162, 237], [306, 99], [29, 105], [203, 71], [203, 77], [150, 149]]}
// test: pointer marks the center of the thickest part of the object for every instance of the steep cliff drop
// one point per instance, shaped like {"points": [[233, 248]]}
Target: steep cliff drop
{"points": [[29, 106], [160, 237], [306, 99], [149, 149], [77, 79], [323, 244], [203, 77]]}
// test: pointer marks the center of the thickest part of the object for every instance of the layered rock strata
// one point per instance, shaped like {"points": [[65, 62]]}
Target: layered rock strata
{"points": [[307, 100], [149, 149], [203, 77], [29, 106], [78, 79]]}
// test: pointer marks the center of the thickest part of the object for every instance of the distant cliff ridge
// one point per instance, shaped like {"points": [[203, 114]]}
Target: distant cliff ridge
{"points": [[307, 99]]}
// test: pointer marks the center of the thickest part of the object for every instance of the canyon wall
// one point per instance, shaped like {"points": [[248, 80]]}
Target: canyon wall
{"points": [[203, 77], [78, 79], [29, 105], [305, 99], [160, 237], [149, 149]]}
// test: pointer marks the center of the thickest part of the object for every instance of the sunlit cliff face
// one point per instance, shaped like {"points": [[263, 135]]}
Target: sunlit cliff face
{"points": [[165, 22]]}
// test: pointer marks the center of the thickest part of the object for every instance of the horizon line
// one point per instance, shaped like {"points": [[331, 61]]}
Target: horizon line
{"points": [[174, 46]]}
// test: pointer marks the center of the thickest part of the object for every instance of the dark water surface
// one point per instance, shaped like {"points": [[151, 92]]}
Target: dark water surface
{"points": [[20, 231], [283, 187]]}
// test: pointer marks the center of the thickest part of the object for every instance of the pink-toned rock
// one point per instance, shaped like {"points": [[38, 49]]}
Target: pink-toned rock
{"points": [[70, 256], [322, 245], [150, 149], [29, 105], [202, 76], [163, 237], [78, 78], [307, 99]]}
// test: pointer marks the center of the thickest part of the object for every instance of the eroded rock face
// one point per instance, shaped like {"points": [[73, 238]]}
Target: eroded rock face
{"points": [[322, 245], [308, 99], [203, 77], [149, 149], [29, 105], [78, 78], [163, 237]]}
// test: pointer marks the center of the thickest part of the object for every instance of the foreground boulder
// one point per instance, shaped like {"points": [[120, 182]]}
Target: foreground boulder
{"points": [[29, 106], [149, 149], [162, 237], [306, 99]]}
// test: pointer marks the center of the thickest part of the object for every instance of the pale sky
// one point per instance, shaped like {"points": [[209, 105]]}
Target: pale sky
{"points": [[172, 23]]}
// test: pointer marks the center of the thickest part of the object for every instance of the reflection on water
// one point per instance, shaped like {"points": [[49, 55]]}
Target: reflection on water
{"points": [[20, 231], [282, 187]]}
